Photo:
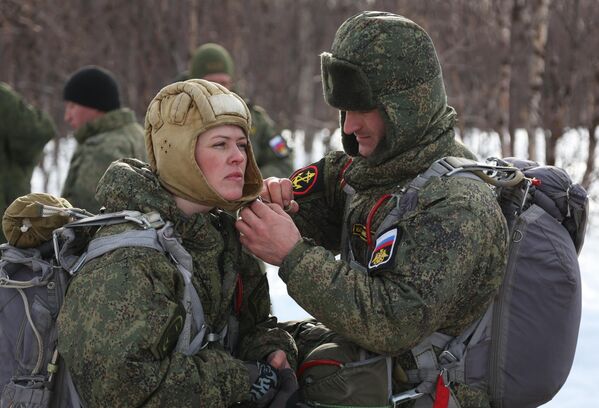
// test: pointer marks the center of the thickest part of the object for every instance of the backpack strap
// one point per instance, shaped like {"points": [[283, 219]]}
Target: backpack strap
{"points": [[195, 334]]}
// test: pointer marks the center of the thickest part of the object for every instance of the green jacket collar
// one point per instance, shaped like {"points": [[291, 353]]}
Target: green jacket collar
{"points": [[397, 171], [130, 184], [110, 121]]}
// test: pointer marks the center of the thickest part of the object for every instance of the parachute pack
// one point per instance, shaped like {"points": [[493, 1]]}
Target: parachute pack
{"points": [[33, 283], [521, 350]]}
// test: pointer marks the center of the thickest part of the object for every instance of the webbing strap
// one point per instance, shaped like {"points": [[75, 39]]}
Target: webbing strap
{"points": [[145, 220], [191, 339], [31, 257], [132, 238]]}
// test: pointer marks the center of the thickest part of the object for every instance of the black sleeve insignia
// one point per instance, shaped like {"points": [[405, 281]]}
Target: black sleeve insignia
{"points": [[308, 180]]}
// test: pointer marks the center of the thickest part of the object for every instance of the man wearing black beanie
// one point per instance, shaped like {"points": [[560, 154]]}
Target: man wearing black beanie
{"points": [[104, 131]]}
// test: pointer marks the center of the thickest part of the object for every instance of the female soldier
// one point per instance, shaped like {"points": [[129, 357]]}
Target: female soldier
{"points": [[121, 320]]}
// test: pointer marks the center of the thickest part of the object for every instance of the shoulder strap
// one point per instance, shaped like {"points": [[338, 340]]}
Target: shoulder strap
{"points": [[194, 334]]}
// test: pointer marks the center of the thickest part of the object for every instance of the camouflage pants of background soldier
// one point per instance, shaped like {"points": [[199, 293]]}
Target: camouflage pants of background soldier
{"points": [[333, 370]]}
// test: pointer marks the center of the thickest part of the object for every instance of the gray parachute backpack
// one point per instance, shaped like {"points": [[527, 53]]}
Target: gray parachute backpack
{"points": [[521, 350], [33, 283]]}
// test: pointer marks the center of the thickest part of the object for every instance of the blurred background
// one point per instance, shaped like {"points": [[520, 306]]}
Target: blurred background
{"points": [[508, 64]]}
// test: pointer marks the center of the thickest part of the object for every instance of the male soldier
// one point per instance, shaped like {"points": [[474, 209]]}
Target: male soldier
{"points": [[435, 269], [24, 131], [214, 63], [104, 131]]}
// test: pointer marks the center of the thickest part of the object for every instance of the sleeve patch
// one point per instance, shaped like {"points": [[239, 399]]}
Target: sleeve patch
{"points": [[307, 180], [384, 250], [279, 146], [170, 335]]}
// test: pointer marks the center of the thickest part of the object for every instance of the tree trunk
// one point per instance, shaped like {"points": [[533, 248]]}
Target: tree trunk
{"points": [[305, 97], [506, 10], [589, 173], [538, 34]]}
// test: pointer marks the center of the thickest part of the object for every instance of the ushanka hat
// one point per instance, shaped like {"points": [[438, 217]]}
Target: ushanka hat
{"points": [[175, 118], [93, 87], [385, 61]]}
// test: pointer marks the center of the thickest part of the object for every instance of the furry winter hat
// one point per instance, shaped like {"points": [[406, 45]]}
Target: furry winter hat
{"points": [[93, 87], [385, 61], [211, 58], [175, 118]]}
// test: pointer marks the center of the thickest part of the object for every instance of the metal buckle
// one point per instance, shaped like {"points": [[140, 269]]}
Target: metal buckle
{"points": [[447, 357], [405, 397]]}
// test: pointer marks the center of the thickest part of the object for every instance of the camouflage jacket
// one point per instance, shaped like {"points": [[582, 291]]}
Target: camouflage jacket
{"points": [[270, 149], [116, 329], [443, 266], [113, 136], [24, 131]]}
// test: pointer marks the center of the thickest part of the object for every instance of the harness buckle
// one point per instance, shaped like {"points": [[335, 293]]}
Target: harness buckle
{"points": [[447, 357], [405, 397]]}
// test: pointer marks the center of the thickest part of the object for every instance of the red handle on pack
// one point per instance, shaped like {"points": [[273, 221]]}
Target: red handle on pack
{"points": [[441, 393], [313, 363]]}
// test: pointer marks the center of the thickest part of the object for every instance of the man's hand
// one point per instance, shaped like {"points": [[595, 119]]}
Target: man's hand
{"points": [[278, 359], [279, 191], [267, 231]]}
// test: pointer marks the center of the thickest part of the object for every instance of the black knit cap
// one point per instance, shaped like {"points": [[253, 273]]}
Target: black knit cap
{"points": [[93, 87]]}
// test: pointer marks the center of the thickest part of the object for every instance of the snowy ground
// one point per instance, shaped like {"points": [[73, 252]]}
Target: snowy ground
{"points": [[579, 389]]}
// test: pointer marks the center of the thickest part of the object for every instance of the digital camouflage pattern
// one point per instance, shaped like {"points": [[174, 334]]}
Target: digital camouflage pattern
{"points": [[113, 136], [24, 130], [117, 328], [450, 251], [273, 160]]}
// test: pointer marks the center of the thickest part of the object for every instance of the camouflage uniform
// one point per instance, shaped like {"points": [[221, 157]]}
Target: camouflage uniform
{"points": [[121, 353], [110, 137], [270, 148], [449, 253], [24, 131]]}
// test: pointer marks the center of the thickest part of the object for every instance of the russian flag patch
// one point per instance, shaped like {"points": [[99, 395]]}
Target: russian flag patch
{"points": [[383, 249]]}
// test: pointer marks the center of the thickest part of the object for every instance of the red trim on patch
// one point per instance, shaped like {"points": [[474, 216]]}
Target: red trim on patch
{"points": [[314, 363], [301, 190], [371, 213]]}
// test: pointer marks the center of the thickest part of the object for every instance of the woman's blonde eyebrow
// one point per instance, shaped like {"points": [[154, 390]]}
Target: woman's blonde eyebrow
{"points": [[217, 136]]}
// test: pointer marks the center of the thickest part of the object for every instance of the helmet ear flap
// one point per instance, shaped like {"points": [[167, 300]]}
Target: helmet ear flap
{"points": [[345, 85]]}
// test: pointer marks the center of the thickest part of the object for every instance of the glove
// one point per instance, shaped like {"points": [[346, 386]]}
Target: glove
{"points": [[287, 388], [264, 382]]}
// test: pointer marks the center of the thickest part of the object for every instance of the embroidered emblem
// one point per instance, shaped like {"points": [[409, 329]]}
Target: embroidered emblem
{"points": [[359, 230], [304, 180], [383, 249], [279, 146]]}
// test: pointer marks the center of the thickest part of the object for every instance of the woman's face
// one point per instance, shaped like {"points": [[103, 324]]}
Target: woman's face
{"points": [[221, 153]]}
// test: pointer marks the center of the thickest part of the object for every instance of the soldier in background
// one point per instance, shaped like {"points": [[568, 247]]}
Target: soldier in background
{"points": [[104, 131], [214, 63], [24, 130]]}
